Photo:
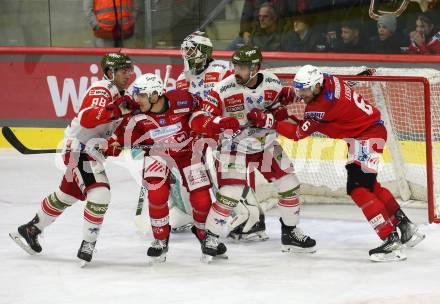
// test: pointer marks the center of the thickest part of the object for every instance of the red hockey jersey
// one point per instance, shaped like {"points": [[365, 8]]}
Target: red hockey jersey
{"points": [[338, 112], [167, 132]]}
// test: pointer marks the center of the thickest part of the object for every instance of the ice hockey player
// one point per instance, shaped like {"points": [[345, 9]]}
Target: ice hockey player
{"points": [[334, 109], [237, 103], [201, 72], [162, 128], [85, 147]]}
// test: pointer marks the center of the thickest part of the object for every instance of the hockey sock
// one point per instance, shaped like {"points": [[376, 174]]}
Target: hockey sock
{"points": [[388, 200], [374, 210], [289, 207], [201, 203], [158, 208], [51, 208], [97, 203]]}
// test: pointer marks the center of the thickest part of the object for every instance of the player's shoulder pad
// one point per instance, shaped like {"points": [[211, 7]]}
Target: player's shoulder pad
{"points": [[103, 88], [270, 79], [180, 101], [227, 84], [332, 87]]}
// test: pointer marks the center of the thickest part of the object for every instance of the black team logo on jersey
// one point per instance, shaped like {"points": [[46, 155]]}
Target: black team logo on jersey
{"points": [[226, 87]]}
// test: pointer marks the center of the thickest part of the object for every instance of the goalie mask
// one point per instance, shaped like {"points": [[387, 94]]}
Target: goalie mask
{"points": [[115, 61], [196, 51], [148, 85]]}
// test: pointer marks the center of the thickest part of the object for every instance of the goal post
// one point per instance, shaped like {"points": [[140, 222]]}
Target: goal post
{"points": [[410, 165]]}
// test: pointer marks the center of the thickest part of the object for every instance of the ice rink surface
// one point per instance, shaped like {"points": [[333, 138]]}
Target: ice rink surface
{"points": [[339, 272]]}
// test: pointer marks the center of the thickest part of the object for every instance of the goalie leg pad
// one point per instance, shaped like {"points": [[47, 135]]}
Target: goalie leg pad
{"points": [[227, 199], [94, 211], [356, 177], [288, 199], [374, 210]]}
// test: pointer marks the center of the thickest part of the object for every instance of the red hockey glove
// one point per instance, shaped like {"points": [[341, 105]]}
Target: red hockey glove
{"points": [[280, 114], [220, 124], [122, 105], [286, 96], [261, 119], [113, 148]]}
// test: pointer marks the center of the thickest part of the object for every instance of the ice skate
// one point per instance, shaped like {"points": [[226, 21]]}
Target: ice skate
{"points": [[85, 253], [389, 251], [26, 237], [212, 249], [294, 240], [410, 235], [158, 250], [256, 233], [221, 248], [182, 228]]}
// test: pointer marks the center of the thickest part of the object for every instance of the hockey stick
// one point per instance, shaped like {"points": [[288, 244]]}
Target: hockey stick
{"points": [[18, 145]]}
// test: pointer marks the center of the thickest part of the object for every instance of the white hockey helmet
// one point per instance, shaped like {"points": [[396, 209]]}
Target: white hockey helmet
{"points": [[148, 84], [196, 49], [307, 77]]}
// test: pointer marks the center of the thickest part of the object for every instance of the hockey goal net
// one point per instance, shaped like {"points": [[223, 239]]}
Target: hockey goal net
{"points": [[410, 166]]}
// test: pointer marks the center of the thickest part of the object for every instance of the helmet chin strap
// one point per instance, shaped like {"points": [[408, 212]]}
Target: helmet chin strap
{"points": [[250, 75]]}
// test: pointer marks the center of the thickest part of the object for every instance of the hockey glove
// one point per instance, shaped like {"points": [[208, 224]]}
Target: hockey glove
{"points": [[122, 105], [286, 96], [113, 148], [220, 124], [260, 119], [280, 114]]}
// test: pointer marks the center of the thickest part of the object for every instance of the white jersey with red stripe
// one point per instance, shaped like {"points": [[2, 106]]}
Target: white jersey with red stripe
{"points": [[203, 83], [233, 100], [93, 120]]}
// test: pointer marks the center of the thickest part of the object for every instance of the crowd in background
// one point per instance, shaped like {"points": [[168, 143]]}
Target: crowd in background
{"points": [[338, 26]]}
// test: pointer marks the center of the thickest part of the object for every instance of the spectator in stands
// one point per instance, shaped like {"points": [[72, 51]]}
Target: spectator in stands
{"points": [[387, 40], [426, 38], [249, 19], [301, 37], [351, 40], [267, 34], [109, 30]]}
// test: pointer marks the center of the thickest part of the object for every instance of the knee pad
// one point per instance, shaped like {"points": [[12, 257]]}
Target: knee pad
{"points": [[356, 177], [200, 200], [99, 195], [230, 195], [158, 192], [65, 198], [287, 186]]}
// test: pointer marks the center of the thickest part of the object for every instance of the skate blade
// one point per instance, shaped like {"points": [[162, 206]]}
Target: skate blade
{"points": [[415, 239], [221, 257], [295, 249], [16, 237], [207, 259], [181, 228], [393, 256], [157, 260], [83, 264], [252, 237]]}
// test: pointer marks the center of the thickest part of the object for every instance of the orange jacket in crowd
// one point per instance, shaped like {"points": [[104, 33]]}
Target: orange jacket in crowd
{"points": [[109, 14]]}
